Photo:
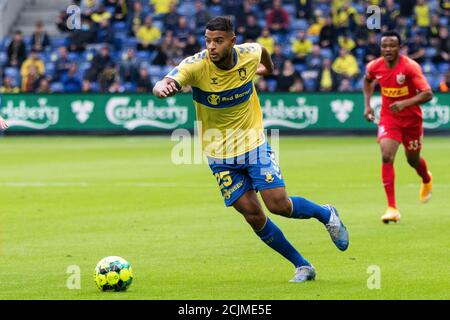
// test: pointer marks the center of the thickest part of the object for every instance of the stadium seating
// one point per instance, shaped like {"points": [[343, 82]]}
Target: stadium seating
{"points": [[124, 39]]}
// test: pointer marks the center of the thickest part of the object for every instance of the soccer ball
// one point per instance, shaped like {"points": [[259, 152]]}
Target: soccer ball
{"points": [[113, 274]]}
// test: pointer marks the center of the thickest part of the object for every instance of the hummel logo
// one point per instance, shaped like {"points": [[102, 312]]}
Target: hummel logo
{"points": [[214, 81]]}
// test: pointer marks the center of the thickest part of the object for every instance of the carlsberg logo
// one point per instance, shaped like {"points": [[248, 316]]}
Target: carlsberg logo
{"points": [[37, 117], [435, 115], [120, 112], [298, 116]]}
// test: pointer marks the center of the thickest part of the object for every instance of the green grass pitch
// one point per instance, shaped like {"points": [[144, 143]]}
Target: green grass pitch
{"points": [[73, 200]]}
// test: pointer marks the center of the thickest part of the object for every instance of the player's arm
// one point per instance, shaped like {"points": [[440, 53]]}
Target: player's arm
{"points": [[166, 87], [419, 81], [368, 88], [3, 124], [266, 67]]}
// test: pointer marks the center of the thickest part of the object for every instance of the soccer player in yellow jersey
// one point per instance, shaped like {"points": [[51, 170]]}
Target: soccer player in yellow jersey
{"points": [[239, 156]]}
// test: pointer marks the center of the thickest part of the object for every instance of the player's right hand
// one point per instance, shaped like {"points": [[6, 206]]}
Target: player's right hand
{"points": [[165, 88], [3, 124], [369, 114]]}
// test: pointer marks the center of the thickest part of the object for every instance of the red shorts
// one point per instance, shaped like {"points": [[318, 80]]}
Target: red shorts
{"points": [[411, 137]]}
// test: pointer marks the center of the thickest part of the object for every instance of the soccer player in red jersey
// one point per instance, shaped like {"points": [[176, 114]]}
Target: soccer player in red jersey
{"points": [[403, 89]]}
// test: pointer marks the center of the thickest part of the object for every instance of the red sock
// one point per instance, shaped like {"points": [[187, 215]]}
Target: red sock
{"points": [[422, 171], [388, 175]]}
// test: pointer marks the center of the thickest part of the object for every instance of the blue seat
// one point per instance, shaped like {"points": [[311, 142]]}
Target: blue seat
{"points": [[154, 70], [3, 58], [129, 87], [57, 87], [120, 26], [443, 67]]}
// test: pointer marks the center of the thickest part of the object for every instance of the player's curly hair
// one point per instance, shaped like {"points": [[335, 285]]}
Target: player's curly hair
{"points": [[222, 23], [392, 34]]}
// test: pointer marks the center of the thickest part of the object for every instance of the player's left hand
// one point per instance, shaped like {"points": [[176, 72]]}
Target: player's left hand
{"points": [[3, 124], [397, 106]]}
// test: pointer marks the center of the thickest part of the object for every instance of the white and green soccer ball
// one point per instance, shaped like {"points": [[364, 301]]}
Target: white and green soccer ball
{"points": [[113, 274]]}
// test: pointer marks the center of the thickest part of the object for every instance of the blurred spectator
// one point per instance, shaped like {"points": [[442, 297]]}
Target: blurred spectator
{"points": [[215, 7], [128, 67], [314, 60], [304, 9], [166, 50], [406, 7], [443, 47], [99, 63], [278, 58], [40, 39], [144, 83], [444, 84], [345, 85], [89, 6], [30, 78], [241, 17], [389, 14], [79, 39], [202, 16], [148, 35], [116, 87], [61, 22], [327, 35], [346, 42], [251, 30], [8, 87], [416, 49], [136, 18], [107, 77], [278, 18], [62, 64], [316, 25], [289, 80], [120, 11], [345, 65], [192, 46], [101, 14], [433, 29], [372, 49], [261, 85], [161, 7], [327, 80], [182, 31], [266, 40], [170, 20], [402, 28], [345, 18], [301, 47], [105, 33], [36, 62], [43, 86], [70, 80], [17, 51], [422, 14], [86, 86]]}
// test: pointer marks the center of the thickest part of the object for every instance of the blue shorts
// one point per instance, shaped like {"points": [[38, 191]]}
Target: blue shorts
{"points": [[254, 170]]}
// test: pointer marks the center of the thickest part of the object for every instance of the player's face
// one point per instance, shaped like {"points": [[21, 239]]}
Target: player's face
{"points": [[219, 45], [390, 48]]}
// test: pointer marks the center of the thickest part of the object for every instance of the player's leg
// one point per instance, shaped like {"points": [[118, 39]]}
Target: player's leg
{"points": [[278, 202], [237, 191], [389, 148], [413, 145], [249, 206]]}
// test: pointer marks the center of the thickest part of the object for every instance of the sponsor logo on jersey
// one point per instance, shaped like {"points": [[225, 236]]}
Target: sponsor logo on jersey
{"points": [[395, 92]]}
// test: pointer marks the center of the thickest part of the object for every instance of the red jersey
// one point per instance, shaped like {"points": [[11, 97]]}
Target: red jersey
{"points": [[399, 83]]}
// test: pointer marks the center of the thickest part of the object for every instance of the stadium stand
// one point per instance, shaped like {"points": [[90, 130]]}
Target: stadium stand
{"points": [[126, 45]]}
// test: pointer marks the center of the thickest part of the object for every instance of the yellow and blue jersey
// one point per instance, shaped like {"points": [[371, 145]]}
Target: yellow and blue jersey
{"points": [[226, 102]]}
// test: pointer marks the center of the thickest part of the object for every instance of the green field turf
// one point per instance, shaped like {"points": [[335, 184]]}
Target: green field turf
{"points": [[72, 201]]}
